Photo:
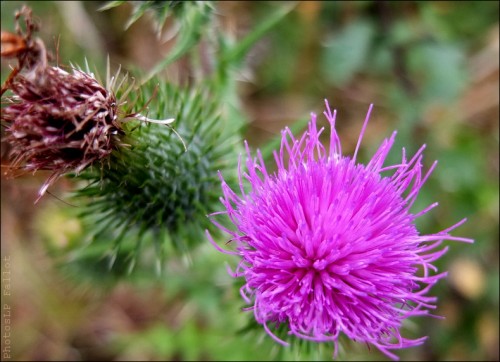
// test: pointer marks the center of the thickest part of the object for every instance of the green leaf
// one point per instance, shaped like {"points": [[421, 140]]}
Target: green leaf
{"points": [[137, 13], [160, 10], [112, 4], [193, 19], [346, 53], [236, 54], [441, 68]]}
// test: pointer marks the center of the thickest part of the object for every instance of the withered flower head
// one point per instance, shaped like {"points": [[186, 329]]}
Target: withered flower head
{"points": [[54, 120]]}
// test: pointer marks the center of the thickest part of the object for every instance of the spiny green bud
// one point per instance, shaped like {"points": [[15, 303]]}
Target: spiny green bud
{"points": [[164, 185]]}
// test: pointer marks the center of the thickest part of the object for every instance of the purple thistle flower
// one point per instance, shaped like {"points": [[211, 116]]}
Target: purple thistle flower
{"points": [[330, 246]]}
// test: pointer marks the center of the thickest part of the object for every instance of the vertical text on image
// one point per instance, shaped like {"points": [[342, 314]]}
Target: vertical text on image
{"points": [[6, 309]]}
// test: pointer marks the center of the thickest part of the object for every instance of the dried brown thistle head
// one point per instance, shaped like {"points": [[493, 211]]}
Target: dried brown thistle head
{"points": [[54, 120]]}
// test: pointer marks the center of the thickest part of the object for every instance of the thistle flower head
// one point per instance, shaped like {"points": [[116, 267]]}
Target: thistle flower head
{"points": [[161, 188], [60, 122], [329, 246], [56, 120]]}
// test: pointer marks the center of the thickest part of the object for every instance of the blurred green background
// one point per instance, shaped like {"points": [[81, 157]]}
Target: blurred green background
{"points": [[432, 71]]}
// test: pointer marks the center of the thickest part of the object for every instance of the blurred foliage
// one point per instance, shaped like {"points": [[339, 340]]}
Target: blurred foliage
{"points": [[430, 68], [160, 9]]}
